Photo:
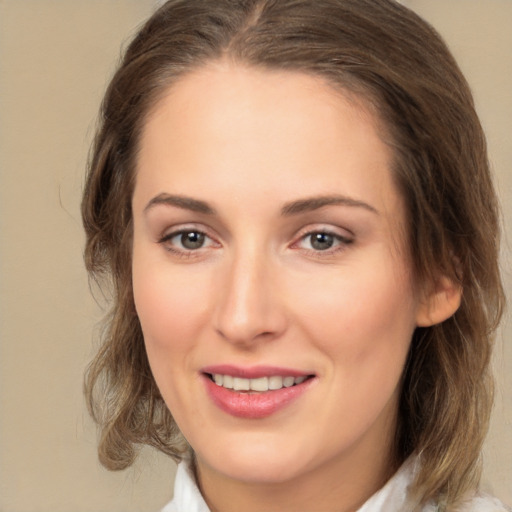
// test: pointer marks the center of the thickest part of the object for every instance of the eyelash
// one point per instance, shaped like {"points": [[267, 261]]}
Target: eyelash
{"points": [[184, 252], [340, 242]]}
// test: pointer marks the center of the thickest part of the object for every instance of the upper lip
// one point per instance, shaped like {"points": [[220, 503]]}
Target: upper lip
{"points": [[253, 372]]}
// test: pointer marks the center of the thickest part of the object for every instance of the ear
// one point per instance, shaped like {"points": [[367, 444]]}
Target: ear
{"points": [[440, 303]]}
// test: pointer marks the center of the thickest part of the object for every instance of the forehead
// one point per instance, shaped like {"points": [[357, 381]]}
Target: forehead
{"points": [[227, 127]]}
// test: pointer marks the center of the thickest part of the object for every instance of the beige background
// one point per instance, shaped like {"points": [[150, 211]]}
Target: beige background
{"points": [[55, 57]]}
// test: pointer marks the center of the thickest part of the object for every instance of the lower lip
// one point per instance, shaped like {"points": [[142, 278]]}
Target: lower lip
{"points": [[253, 405]]}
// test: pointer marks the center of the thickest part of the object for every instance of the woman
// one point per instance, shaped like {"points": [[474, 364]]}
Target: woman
{"points": [[293, 202]]}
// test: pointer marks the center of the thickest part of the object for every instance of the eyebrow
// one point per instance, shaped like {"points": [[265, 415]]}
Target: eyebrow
{"points": [[289, 209], [315, 203], [186, 203]]}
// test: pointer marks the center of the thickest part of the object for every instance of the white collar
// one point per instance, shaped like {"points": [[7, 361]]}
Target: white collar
{"points": [[393, 497], [187, 497]]}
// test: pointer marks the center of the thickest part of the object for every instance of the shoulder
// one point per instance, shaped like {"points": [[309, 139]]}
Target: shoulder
{"points": [[395, 496], [484, 504], [476, 504]]}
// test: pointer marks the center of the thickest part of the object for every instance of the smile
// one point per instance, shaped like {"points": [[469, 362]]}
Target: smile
{"points": [[261, 384], [255, 393]]}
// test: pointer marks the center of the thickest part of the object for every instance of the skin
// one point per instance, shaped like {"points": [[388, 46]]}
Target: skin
{"points": [[248, 143]]}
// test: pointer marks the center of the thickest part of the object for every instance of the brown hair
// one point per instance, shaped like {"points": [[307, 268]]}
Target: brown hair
{"points": [[395, 61]]}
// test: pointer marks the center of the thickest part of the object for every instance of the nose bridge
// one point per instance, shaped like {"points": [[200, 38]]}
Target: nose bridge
{"points": [[246, 309]]}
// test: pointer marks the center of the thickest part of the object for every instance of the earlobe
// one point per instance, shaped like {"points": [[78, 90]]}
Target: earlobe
{"points": [[440, 304]]}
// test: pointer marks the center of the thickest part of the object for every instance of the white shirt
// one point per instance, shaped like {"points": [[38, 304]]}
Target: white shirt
{"points": [[391, 498]]}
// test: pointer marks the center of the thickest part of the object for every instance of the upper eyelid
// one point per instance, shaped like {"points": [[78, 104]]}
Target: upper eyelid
{"points": [[342, 239], [176, 229], [172, 234], [324, 228], [175, 232]]}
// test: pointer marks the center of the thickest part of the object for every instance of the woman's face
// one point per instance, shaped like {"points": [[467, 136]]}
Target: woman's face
{"points": [[270, 274]]}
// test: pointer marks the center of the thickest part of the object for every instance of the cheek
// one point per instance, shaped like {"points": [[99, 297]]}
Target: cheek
{"points": [[168, 307], [168, 304], [364, 317], [364, 323]]}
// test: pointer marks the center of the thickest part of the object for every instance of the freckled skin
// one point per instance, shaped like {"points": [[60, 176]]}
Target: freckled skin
{"points": [[258, 293]]}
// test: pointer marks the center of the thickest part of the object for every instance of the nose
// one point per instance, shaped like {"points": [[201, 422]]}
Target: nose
{"points": [[249, 306]]}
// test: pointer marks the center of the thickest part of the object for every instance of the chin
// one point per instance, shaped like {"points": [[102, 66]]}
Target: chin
{"points": [[260, 461], [264, 472]]}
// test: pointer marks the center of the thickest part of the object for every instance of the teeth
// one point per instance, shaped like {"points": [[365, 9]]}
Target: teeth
{"points": [[288, 382], [260, 384], [227, 381], [241, 384], [275, 382]]}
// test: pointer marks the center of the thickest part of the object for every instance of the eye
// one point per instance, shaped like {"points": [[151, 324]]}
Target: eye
{"points": [[319, 241], [191, 240], [186, 240]]}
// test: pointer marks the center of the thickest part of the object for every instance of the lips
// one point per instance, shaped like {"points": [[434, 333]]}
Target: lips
{"points": [[256, 392]]}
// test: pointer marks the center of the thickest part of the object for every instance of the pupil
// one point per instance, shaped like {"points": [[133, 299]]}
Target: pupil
{"points": [[322, 241], [192, 240]]}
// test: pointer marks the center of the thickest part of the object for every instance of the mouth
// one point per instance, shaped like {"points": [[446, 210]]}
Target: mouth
{"points": [[256, 385], [255, 393]]}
